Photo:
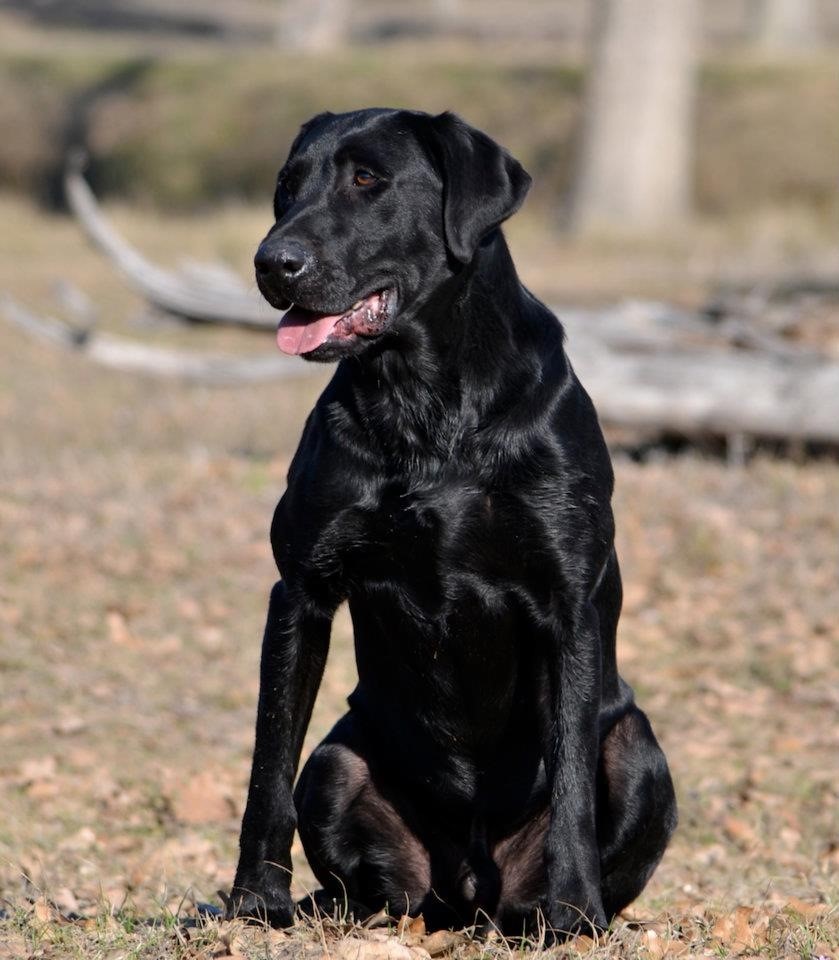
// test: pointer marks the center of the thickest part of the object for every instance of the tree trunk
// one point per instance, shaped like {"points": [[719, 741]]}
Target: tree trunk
{"points": [[635, 165], [315, 26], [788, 26], [447, 10]]}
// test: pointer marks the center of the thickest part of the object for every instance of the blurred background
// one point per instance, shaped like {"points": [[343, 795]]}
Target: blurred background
{"points": [[187, 107], [683, 222]]}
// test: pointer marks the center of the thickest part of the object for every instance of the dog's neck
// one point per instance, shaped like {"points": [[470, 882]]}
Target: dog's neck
{"points": [[470, 357]]}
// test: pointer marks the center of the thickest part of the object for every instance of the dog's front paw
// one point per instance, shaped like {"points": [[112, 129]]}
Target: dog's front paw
{"points": [[256, 901], [565, 919]]}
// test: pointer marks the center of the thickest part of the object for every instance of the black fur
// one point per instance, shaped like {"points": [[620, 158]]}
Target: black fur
{"points": [[452, 484]]}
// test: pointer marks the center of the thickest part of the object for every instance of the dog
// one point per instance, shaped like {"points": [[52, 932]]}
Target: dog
{"points": [[453, 486]]}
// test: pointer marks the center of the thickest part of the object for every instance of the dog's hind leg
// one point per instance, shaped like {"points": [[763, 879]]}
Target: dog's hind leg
{"points": [[356, 840], [636, 809], [524, 878]]}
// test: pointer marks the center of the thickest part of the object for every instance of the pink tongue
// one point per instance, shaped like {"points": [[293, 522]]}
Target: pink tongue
{"points": [[301, 330]]}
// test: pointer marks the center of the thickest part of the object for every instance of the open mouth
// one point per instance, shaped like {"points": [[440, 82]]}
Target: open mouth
{"points": [[301, 330]]}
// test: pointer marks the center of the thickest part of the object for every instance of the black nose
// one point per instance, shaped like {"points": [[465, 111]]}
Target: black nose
{"points": [[289, 258]]}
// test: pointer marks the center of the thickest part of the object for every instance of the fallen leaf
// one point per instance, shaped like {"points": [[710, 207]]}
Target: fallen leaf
{"points": [[742, 930], [633, 915], [69, 725], [35, 769], [118, 630], [789, 837], [83, 839], [81, 757], [659, 947], [44, 911], [230, 941], [410, 930], [806, 909], [204, 798], [43, 790], [65, 900], [232, 949], [739, 831], [278, 937], [441, 941], [582, 944], [353, 948]]}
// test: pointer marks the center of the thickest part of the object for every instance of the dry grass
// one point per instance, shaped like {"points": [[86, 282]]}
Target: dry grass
{"points": [[134, 569]]}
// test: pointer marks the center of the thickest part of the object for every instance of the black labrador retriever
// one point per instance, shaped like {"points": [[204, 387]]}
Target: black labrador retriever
{"points": [[452, 484]]}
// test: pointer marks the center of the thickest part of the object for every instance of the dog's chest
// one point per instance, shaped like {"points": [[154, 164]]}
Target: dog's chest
{"points": [[427, 536], [430, 578]]}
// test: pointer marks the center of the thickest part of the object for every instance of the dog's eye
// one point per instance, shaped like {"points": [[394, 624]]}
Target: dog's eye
{"points": [[363, 178]]}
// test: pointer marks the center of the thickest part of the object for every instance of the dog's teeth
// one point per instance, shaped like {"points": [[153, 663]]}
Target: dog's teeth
{"points": [[357, 304]]}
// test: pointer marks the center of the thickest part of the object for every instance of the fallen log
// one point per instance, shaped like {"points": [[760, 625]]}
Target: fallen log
{"points": [[823, 282], [635, 381], [638, 325], [202, 293], [707, 391]]}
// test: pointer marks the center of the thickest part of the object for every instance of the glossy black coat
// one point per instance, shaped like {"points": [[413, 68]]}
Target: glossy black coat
{"points": [[452, 484]]}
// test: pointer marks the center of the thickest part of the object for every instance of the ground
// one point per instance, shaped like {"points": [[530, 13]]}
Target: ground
{"points": [[134, 575]]}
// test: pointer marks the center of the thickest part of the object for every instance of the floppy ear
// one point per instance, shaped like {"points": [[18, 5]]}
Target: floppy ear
{"points": [[482, 184]]}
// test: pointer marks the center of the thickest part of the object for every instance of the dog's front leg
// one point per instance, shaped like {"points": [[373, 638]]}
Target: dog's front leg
{"points": [[293, 656], [574, 900]]}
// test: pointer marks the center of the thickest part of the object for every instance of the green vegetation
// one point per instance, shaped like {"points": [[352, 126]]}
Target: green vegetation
{"points": [[191, 130]]}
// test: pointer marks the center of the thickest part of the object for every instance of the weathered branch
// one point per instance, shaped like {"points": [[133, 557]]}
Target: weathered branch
{"points": [[196, 293], [635, 326], [772, 301], [121, 353]]}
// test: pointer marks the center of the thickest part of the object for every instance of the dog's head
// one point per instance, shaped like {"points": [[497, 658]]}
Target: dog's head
{"points": [[374, 211]]}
